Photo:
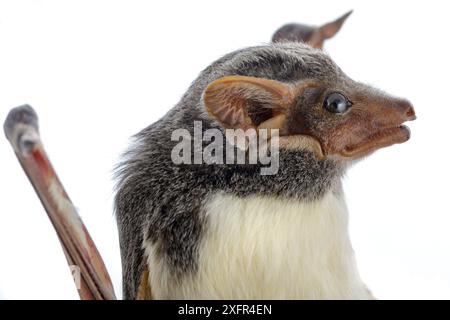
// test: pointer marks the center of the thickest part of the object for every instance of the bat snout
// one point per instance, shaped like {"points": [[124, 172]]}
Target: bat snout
{"points": [[382, 127], [406, 110]]}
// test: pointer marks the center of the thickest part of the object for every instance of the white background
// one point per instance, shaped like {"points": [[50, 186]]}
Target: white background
{"points": [[99, 71]]}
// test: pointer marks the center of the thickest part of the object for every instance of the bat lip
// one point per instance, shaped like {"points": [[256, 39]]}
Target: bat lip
{"points": [[380, 139]]}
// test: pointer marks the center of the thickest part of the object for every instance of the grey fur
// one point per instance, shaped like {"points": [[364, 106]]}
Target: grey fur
{"points": [[293, 32], [159, 201]]}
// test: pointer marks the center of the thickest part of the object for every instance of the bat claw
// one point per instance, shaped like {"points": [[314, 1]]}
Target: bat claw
{"points": [[21, 128]]}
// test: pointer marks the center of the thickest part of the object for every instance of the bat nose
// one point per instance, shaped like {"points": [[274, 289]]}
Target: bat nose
{"points": [[406, 109]]}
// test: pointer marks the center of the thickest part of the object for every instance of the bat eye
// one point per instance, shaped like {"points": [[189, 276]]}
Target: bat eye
{"points": [[336, 103]]}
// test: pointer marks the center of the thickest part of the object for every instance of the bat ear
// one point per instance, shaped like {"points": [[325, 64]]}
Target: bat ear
{"points": [[239, 102], [330, 29]]}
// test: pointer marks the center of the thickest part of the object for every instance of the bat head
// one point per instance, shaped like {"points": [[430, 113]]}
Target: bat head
{"points": [[321, 109], [312, 35]]}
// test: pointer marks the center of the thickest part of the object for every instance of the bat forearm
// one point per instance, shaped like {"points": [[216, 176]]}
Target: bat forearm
{"points": [[21, 129]]}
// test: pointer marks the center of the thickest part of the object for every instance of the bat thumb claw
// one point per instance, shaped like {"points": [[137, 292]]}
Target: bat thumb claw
{"points": [[21, 128]]}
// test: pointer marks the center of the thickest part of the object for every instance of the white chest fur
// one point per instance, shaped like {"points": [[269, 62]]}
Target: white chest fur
{"points": [[268, 248]]}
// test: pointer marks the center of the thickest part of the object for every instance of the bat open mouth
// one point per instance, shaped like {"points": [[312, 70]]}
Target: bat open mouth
{"points": [[380, 139]]}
